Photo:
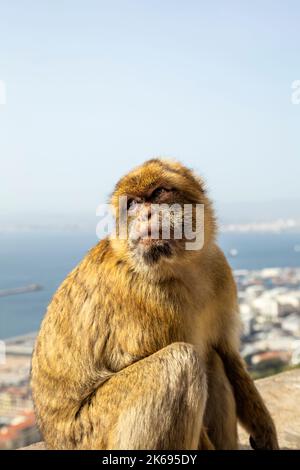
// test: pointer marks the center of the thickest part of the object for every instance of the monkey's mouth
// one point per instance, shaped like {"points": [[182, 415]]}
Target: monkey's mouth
{"points": [[152, 250], [156, 251]]}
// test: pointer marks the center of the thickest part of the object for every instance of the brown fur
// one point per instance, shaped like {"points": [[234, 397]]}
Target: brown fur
{"points": [[128, 355]]}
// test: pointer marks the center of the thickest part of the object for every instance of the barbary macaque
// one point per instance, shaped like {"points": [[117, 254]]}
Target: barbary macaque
{"points": [[139, 348]]}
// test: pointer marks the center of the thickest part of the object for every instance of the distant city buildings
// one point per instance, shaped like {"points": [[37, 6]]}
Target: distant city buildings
{"points": [[269, 301], [270, 311], [17, 420]]}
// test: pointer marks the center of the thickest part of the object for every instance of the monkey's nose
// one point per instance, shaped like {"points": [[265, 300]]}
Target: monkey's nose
{"points": [[143, 229], [145, 213]]}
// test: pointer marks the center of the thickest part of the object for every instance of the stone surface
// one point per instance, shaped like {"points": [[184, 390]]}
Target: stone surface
{"points": [[36, 446], [282, 396]]}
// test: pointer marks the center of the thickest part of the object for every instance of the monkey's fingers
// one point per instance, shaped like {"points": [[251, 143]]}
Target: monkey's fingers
{"points": [[253, 443], [267, 444]]}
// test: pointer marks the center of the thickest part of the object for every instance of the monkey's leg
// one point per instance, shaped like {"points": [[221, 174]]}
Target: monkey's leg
{"points": [[155, 403], [251, 410], [204, 441], [220, 418]]}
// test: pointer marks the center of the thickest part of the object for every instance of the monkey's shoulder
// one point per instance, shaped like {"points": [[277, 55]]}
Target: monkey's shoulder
{"points": [[214, 312], [218, 271]]}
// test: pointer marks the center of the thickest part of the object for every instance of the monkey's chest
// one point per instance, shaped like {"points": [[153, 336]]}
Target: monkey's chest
{"points": [[139, 335]]}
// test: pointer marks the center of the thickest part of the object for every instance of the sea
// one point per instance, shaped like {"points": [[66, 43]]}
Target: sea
{"points": [[46, 258]]}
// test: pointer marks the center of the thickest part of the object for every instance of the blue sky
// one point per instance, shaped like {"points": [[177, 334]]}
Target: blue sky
{"points": [[94, 88]]}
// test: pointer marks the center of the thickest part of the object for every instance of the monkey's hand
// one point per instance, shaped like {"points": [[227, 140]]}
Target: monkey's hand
{"points": [[264, 440]]}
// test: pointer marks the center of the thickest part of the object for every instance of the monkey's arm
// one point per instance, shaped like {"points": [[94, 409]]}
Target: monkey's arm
{"points": [[251, 410]]}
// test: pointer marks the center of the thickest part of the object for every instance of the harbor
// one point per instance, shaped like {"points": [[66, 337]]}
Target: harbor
{"points": [[20, 290]]}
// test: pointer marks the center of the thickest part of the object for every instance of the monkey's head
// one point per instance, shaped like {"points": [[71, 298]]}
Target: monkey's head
{"points": [[163, 215]]}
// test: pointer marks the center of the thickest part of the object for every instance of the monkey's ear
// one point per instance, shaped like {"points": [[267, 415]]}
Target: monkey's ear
{"points": [[201, 182]]}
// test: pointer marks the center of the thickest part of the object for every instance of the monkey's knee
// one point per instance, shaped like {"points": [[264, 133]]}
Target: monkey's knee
{"points": [[185, 375], [185, 360], [169, 416]]}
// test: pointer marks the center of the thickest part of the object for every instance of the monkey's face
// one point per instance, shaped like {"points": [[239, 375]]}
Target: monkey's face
{"points": [[153, 222], [157, 207]]}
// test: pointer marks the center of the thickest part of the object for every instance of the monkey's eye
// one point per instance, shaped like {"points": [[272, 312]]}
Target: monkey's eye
{"points": [[131, 204], [159, 192]]}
